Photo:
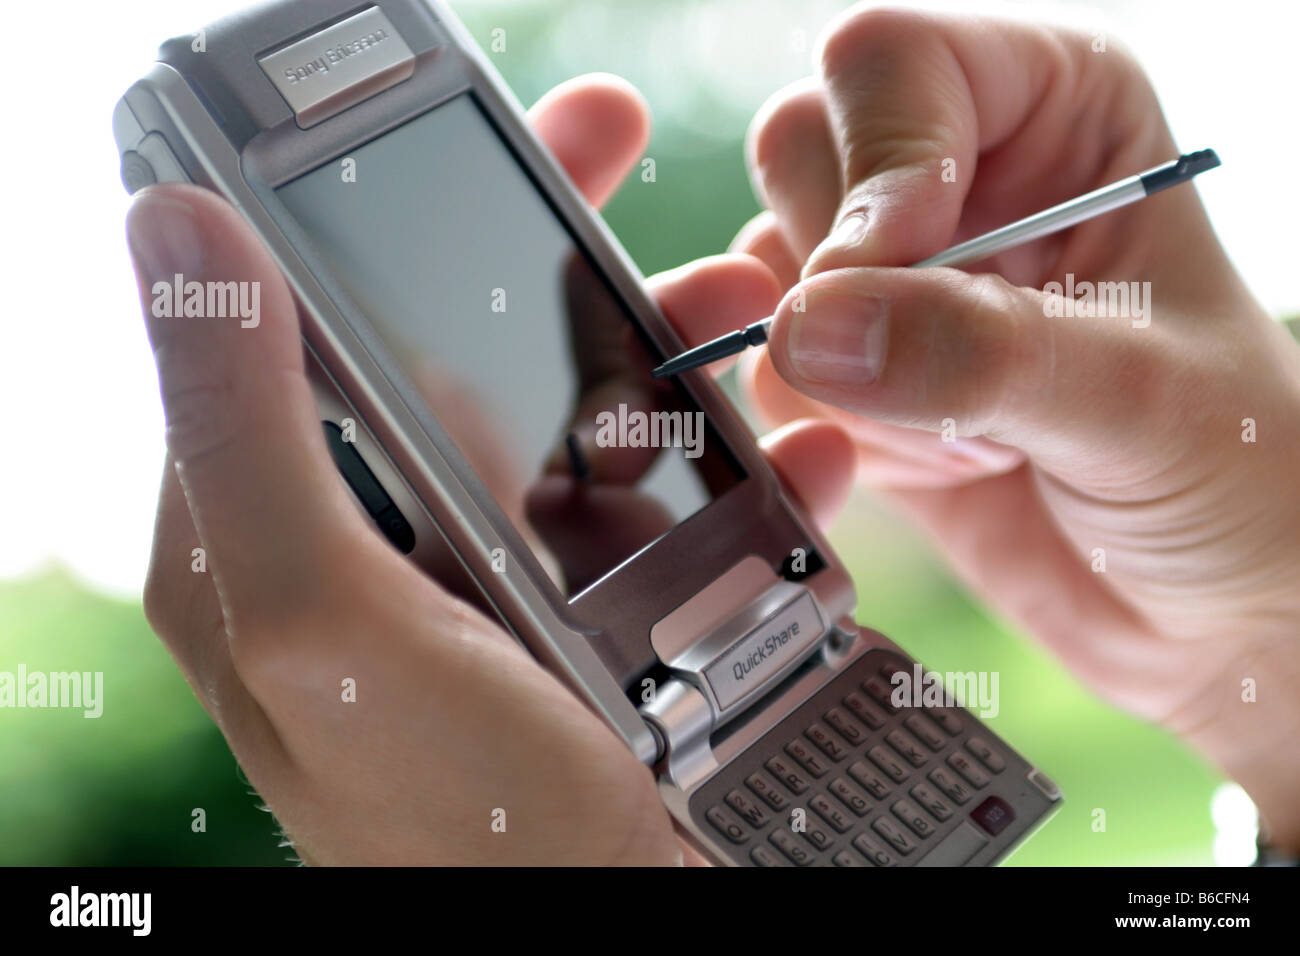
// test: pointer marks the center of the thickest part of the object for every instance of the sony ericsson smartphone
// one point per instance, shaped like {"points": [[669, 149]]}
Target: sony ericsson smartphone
{"points": [[480, 348]]}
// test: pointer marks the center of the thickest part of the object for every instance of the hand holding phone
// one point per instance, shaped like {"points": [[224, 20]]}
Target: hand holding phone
{"points": [[451, 720]]}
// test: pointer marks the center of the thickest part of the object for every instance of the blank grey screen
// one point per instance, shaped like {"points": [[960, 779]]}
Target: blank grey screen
{"points": [[516, 341]]}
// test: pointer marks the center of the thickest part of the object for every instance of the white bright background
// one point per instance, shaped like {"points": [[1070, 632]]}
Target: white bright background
{"points": [[81, 447]]}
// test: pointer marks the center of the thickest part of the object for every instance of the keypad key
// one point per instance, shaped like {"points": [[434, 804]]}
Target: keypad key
{"points": [[948, 720], [832, 814], [784, 771], [926, 797], [911, 814], [887, 762], [795, 852], [879, 690], [808, 758], [851, 796], [907, 745], [865, 710], [982, 749], [764, 855], [892, 667], [927, 730], [869, 779], [848, 728], [895, 835], [816, 834], [966, 767], [947, 781], [873, 850], [957, 848], [748, 809], [830, 744], [846, 859], [767, 791], [994, 815], [726, 824]]}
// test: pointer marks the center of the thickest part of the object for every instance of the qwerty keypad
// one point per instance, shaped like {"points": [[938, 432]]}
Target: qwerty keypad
{"points": [[851, 780]]}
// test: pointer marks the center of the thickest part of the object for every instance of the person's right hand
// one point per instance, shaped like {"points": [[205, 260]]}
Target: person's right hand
{"points": [[1080, 439]]}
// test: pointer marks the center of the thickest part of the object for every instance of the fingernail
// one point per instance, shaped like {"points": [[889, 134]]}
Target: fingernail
{"points": [[850, 232], [164, 238], [840, 338], [847, 236]]}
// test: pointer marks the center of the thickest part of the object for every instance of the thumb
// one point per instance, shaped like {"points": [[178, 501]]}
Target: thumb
{"points": [[241, 423], [968, 355]]}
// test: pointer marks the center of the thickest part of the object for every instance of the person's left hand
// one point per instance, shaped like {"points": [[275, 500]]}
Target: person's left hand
{"points": [[451, 719]]}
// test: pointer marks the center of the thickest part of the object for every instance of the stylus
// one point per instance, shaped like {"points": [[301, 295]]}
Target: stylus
{"points": [[1069, 213]]}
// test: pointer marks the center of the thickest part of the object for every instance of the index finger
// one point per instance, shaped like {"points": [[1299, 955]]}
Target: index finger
{"points": [[597, 126], [918, 100]]}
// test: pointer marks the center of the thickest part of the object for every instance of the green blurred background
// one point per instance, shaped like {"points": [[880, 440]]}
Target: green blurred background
{"points": [[120, 789]]}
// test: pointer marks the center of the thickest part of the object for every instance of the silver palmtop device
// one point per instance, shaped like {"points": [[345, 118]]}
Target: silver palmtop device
{"points": [[480, 347]]}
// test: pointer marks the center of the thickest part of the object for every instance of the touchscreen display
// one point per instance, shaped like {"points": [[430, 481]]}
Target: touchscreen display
{"points": [[514, 339]]}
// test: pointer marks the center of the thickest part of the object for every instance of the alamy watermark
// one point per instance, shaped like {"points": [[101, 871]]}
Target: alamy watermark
{"points": [[953, 689], [1088, 300], [638, 429], [82, 690], [130, 910], [208, 300]]}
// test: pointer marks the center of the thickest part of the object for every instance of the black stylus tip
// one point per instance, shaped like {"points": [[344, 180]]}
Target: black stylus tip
{"points": [[1199, 161], [733, 343], [730, 344], [1179, 170]]}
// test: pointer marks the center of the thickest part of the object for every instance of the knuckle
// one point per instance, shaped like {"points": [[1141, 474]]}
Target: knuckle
{"points": [[1115, 78], [1083, 42], [275, 648], [862, 29], [159, 602], [1011, 349], [911, 159], [282, 633], [313, 606], [173, 593], [198, 400], [1155, 382], [1142, 360]]}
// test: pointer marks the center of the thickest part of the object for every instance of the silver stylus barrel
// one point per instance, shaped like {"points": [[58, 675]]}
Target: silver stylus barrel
{"points": [[1040, 224]]}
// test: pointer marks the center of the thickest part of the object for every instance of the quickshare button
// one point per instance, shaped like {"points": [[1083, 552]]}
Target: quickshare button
{"points": [[764, 651]]}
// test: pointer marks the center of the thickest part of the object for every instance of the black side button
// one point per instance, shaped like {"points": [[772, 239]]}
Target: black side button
{"points": [[367, 488], [396, 529]]}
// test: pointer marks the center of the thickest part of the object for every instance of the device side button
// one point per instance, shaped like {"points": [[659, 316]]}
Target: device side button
{"points": [[396, 529], [368, 490]]}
